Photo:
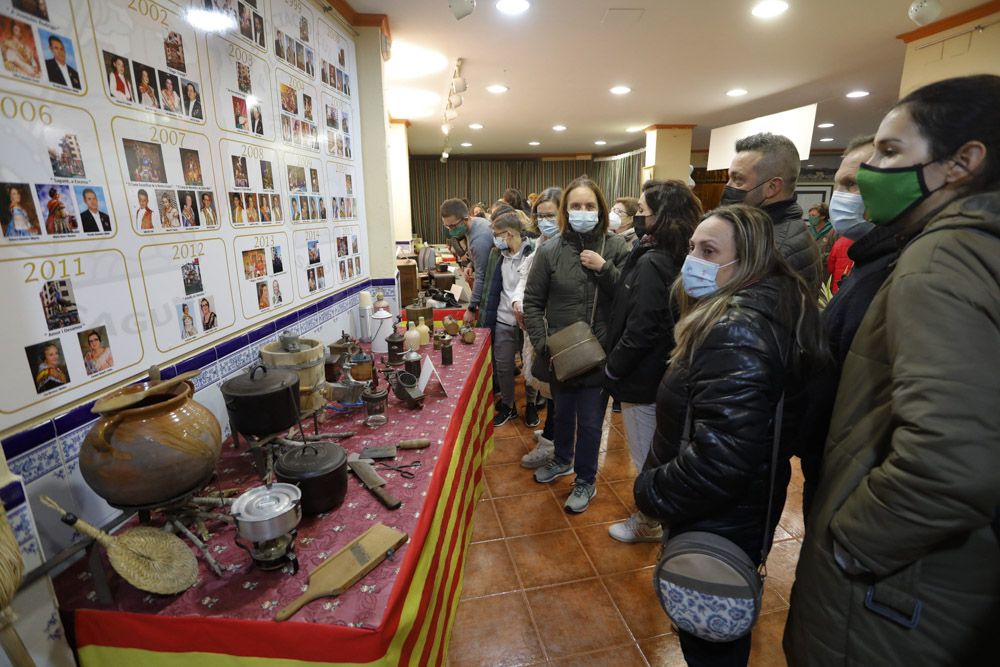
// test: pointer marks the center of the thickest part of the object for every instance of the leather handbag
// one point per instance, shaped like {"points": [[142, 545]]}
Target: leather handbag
{"points": [[707, 584], [575, 350]]}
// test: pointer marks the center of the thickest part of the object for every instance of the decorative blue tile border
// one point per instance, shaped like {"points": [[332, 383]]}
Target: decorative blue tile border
{"points": [[12, 495], [37, 462]]}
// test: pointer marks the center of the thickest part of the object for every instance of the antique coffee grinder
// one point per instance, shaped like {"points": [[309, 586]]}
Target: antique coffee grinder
{"points": [[394, 344]]}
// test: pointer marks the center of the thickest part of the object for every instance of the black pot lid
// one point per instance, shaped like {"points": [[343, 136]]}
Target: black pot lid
{"points": [[312, 460], [261, 380]]}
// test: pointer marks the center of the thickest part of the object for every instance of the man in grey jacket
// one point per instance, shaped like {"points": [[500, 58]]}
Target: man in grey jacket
{"points": [[471, 240], [763, 174]]}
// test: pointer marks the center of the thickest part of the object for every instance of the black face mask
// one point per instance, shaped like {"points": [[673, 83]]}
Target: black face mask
{"points": [[639, 225], [731, 195]]}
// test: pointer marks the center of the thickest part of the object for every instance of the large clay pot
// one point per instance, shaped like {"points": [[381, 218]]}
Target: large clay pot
{"points": [[163, 448]]}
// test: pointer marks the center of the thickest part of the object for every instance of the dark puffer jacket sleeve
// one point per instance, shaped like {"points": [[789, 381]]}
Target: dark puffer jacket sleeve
{"points": [[536, 291], [735, 386], [648, 321]]}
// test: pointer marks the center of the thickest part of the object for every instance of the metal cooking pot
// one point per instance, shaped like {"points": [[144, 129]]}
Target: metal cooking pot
{"points": [[264, 513], [320, 472], [263, 401]]}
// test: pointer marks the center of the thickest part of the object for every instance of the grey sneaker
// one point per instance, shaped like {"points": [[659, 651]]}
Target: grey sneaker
{"points": [[540, 455], [552, 470], [537, 434], [637, 528], [580, 497]]}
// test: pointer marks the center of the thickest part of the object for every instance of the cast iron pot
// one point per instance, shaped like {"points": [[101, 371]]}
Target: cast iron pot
{"points": [[320, 472], [262, 402]]}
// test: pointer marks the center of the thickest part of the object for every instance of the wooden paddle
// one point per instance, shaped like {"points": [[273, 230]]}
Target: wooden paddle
{"points": [[130, 398], [346, 567]]}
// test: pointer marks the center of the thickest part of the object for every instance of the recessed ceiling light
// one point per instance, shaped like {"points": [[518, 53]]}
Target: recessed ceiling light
{"points": [[210, 20], [810, 165], [411, 103], [475, 126], [497, 88], [858, 93], [513, 6], [620, 90], [768, 9], [466, 144], [600, 142], [446, 129], [410, 61], [736, 92], [825, 139], [534, 143], [559, 128], [823, 126], [634, 128]]}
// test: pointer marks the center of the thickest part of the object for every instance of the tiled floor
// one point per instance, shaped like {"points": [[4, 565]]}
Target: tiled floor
{"points": [[546, 587]]}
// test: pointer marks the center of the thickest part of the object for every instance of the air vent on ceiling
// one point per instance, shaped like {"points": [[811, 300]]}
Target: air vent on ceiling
{"points": [[622, 17]]}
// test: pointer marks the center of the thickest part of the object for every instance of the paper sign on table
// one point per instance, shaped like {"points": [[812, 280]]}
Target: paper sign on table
{"points": [[427, 370]]}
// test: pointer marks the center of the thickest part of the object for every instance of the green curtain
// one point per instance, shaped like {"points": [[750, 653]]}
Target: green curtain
{"points": [[433, 181]]}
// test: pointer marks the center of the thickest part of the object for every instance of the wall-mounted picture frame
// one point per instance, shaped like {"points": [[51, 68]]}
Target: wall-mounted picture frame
{"points": [[811, 195]]}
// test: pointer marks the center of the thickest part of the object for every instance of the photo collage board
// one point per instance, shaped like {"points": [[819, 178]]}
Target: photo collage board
{"points": [[166, 187]]}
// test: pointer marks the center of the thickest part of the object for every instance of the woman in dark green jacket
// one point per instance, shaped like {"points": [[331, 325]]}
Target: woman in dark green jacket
{"points": [[572, 280], [901, 561]]}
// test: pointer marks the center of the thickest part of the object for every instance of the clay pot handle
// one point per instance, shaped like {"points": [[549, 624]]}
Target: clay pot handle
{"points": [[103, 430]]}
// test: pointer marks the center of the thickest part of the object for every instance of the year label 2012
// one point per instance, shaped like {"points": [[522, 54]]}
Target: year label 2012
{"points": [[188, 250]]}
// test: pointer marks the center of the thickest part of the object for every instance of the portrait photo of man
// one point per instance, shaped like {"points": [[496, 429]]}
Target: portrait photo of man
{"points": [[92, 218], [60, 60]]}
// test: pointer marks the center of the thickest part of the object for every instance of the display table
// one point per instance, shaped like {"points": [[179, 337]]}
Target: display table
{"points": [[400, 613]]}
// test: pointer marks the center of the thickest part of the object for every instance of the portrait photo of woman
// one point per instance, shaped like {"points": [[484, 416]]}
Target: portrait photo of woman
{"points": [[96, 351]]}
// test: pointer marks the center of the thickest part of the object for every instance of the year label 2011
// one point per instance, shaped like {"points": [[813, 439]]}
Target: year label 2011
{"points": [[53, 269]]}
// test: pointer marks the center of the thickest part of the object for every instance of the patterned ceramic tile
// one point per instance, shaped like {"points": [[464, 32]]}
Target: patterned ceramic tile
{"points": [[71, 442], [37, 462], [20, 523]]}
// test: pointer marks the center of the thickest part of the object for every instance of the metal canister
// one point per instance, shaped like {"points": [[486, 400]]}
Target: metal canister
{"points": [[395, 343], [447, 351], [412, 362]]}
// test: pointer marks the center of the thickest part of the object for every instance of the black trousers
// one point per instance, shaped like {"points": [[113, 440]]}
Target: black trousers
{"points": [[701, 653]]}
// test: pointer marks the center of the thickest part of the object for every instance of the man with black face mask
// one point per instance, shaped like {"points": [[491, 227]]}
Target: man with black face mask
{"points": [[763, 174]]}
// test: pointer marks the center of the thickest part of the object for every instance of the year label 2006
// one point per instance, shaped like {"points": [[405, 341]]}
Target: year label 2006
{"points": [[189, 250], [13, 108], [53, 269]]}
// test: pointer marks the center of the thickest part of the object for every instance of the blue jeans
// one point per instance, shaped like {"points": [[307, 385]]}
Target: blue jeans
{"points": [[579, 413]]}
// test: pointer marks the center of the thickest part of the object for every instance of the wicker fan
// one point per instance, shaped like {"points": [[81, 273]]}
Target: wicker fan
{"points": [[11, 570], [148, 558]]}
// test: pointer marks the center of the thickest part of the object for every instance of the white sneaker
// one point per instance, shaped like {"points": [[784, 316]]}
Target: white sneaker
{"points": [[637, 528], [540, 455], [538, 434]]}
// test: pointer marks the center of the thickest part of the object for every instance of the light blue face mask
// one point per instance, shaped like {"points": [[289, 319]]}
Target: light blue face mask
{"points": [[500, 242], [847, 215], [698, 276], [548, 226], [583, 221]]}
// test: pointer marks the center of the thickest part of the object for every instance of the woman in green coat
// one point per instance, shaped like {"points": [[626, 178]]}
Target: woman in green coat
{"points": [[901, 562]]}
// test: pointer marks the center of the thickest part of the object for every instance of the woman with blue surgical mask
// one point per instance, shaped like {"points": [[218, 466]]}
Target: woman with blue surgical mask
{"points": [[747, 335], [572, 280]]}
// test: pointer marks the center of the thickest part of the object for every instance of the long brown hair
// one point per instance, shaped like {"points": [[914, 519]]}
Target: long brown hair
{"points": [[602, 205], [757, 258]]}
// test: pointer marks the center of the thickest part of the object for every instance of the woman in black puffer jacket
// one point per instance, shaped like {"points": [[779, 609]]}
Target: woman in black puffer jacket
{"points": [[748, 327], [642, 324]]}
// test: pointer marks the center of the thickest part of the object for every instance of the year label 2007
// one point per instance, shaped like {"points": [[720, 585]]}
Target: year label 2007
{"points": [[166, 135]]}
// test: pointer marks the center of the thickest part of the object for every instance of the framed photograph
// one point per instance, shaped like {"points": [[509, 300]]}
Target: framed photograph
{"points": [[810, 195]]}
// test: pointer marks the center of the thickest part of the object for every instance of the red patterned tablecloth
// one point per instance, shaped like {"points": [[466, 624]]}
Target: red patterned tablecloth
{"points": [[400, 613]]}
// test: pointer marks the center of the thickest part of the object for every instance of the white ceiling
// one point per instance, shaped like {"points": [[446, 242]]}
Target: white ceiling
{"points": [[680, 57]]}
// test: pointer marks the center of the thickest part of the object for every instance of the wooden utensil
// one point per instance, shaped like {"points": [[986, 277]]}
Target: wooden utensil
{"points": [[128, 399], [346, 567]]}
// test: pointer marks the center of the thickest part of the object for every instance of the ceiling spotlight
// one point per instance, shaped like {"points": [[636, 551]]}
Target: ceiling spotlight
{"points": [[210, 20], [600, 142], [736, 92], [824, 126], [458, 84], [826, 139], [461, 8], [559, 128], [634, 128], [620, 90], [410, 61], [534, 143], [444, 154], [923, 12], [450, 114], [513, 7], [445, 129], [475, 126], [858, 93], [455, 100], [768, 9], [466, 144], [497, 88]]}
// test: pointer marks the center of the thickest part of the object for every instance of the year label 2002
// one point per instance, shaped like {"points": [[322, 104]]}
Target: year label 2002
{"points": [[149, 9]]}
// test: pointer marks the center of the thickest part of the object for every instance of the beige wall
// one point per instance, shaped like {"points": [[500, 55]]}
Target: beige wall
{"points": [[399, 181], [668, 151], [959, 51]]}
